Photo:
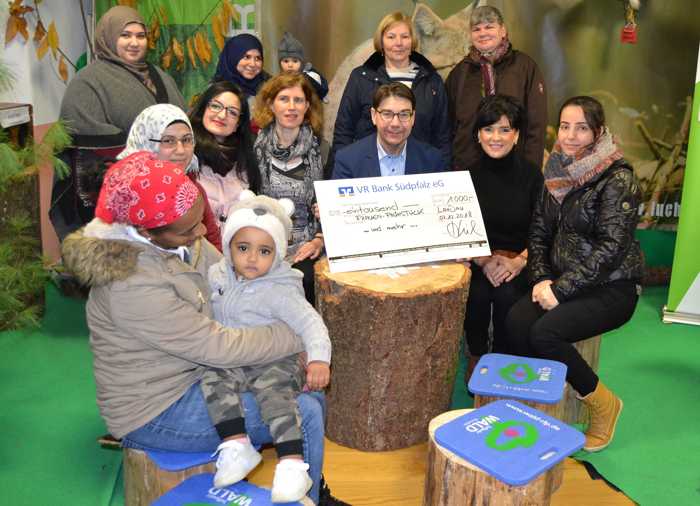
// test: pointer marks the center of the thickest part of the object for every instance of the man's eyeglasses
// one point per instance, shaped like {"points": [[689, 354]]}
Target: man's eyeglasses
{"points": [[388, 116], [170, 141], [216, 107]]}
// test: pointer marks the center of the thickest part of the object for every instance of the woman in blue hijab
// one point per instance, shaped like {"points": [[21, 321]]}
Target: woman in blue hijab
{"points": [[241, 62]]}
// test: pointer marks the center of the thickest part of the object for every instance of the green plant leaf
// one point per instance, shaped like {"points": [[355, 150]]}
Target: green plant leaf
{"points": [[60, 168], [10, 164]]}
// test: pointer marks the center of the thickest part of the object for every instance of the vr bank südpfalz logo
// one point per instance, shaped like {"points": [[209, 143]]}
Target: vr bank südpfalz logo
{"points": [[346, 191]]}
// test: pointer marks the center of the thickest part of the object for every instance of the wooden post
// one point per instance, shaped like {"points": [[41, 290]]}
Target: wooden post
{"points": [[144, 481], [395, 351], [574, 410], [452, 481]]}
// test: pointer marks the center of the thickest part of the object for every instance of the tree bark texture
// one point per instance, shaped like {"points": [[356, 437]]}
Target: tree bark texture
{"points": [[395, 351], [574, 410], [144, 481], [452, 481]]}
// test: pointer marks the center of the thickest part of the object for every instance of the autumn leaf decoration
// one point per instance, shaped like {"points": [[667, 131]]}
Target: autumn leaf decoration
{"points": [[45, 39], [197, 48], [17, 23]]}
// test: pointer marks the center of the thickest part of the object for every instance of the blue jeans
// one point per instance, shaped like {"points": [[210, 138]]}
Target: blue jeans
{"points": [[186, 427]]}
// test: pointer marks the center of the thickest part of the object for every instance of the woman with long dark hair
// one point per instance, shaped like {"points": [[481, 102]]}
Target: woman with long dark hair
{"points": [[584, 262], [227, 165]]}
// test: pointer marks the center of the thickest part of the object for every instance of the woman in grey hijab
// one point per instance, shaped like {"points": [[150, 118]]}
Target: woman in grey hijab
{"points": [[99, 107]]}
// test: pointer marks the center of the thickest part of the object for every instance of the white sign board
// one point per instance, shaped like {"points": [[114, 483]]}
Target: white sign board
{"points": [[377, 222]]}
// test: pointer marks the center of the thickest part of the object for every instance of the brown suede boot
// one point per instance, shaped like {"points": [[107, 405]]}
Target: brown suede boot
{"points": [[605, 408]]}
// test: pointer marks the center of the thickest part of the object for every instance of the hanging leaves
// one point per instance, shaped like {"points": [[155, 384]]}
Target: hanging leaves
{"points": [[63, 69], [166, 59], [231, 12], [42, 48], [217, 27], [128, 3], [178, 53], [202, 48], [16, 23], [190, 52], [39, 31], [52, 35], [153, 32]]}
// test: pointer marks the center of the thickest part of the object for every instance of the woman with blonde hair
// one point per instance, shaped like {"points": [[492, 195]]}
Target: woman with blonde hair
{"points": [[395, 60], [289, 114]]}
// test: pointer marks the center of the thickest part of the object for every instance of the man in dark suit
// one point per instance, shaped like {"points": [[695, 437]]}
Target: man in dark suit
{"points": [[391, 151]]}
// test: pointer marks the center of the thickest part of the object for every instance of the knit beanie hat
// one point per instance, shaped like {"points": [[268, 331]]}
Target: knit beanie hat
{"points": [[290, 48], [265, 213]]}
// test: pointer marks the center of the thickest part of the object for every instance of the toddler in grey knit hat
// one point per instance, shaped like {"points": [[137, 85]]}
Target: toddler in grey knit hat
{"points": [[292, 59]]}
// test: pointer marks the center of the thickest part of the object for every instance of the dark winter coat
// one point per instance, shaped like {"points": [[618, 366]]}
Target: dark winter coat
{"points": [[588, 240], [517, 75], [431, 126]]}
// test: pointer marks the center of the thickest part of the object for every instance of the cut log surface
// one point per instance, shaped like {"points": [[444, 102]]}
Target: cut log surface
{"points": [[144, 481], [574, 410], [395, 350], [452, 481]]}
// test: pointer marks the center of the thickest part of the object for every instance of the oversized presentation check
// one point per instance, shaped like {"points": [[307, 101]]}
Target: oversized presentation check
{"points": [[377, 222]]}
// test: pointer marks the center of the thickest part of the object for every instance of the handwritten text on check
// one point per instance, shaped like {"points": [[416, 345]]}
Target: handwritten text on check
{"points": [[379, 222]]}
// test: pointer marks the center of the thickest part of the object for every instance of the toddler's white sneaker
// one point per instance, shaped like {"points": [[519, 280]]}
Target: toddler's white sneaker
{"points": [[235, 461], [291, 481]]}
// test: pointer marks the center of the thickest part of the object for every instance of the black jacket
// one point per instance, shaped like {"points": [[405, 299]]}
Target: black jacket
{"points": [[431, 126], [588, 240]]}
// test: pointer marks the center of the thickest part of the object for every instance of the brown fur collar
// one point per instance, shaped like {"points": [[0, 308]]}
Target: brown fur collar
{"points": [[96, 261]]}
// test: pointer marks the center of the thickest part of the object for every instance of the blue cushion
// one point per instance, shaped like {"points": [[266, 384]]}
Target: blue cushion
{"points": [[177, 461]]}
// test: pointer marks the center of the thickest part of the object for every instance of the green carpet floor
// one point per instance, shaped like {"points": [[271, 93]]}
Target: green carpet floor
{"points": [[655, 369], [49, 423], [50, 420]]}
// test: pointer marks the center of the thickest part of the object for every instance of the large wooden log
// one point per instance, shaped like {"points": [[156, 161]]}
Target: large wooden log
{"points": [[144, 481], [452, 481], [395, 351], [574, 410]]}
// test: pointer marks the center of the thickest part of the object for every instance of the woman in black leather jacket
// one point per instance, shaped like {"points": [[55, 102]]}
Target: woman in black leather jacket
{"points": [[584, 262]]}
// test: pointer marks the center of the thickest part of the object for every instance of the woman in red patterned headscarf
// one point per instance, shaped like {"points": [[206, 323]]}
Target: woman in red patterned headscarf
{"points": [[151, 332]]}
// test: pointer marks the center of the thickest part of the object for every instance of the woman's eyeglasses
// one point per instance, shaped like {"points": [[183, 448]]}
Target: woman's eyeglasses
{"points": [[217, 107], [170, 141]]}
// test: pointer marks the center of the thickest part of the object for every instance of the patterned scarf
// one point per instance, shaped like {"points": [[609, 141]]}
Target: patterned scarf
{"points": [[487, 60], [305, 147], [145, 192], [565, 173]]}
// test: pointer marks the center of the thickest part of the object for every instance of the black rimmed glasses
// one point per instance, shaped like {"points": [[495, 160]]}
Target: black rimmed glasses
{"points": [[216, 107], [388, 116], [170, 141]]}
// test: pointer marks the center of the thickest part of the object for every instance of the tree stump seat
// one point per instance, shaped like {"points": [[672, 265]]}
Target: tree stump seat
{"points": [[145, 481], [395, 350], [452, 481]]}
